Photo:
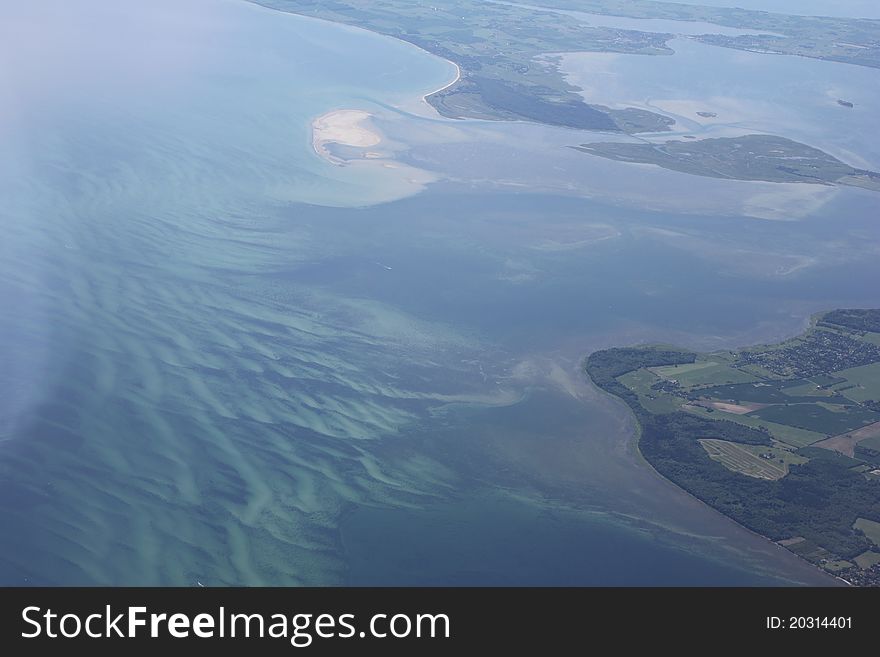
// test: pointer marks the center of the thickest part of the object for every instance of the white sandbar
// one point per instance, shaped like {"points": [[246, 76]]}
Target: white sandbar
{"points": [[343, 127]]}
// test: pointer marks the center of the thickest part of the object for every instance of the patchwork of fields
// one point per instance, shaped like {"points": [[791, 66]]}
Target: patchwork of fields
{"points": [[783, 438], [835, 410]]}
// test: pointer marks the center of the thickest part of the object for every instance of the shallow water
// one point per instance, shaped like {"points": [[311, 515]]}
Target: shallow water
{"points": [[163, 383], [795, 97], [211, 374]]}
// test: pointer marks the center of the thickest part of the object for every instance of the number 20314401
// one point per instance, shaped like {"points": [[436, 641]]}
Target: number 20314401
{"points": [[809, 623]]}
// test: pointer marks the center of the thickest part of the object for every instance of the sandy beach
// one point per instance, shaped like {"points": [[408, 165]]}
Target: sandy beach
{"points": [[445, 86], [343, 127]]}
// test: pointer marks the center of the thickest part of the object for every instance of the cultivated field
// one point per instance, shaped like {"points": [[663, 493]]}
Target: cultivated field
{"points": [[703, 373], [867, 380], [819, 418], [736, 409], [808, 389], [766, 392], [846, 443], [867, 559], [640, 382], [789, 435], [870, 528], [753, 460]]}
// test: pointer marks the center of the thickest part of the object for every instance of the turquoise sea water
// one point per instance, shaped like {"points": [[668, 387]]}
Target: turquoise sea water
{"points": [[225, 360], [160, 384]]}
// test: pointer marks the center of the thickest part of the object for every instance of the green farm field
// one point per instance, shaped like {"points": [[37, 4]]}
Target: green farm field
{"points": [[809, 389], [655, 401], [818, 418], [793, 436], [763, 393], [867, 559], [870, 528], [867, 380], [691, 375]]}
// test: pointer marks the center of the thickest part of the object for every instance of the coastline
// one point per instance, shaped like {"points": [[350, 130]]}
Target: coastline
{"points": [[445, 86], [344, 126], [636, 439], [425, 97]]}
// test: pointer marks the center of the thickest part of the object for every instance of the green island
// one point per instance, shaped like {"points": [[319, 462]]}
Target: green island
{"points": [[782, 438], [750, 157]]}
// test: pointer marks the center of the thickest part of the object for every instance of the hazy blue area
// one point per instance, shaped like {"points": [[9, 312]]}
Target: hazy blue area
{"points": [[214, 368], [642, 24]]}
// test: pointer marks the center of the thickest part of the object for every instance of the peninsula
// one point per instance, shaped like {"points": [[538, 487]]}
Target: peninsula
{"points": [[505, 51], [751, 157], [782, 438]]}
